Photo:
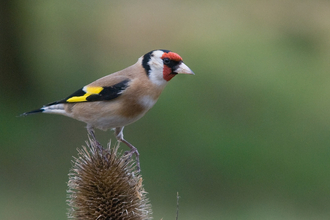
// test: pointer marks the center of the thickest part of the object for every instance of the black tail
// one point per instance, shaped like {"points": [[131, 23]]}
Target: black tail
{"points": [[33, 112], [43, 109]]}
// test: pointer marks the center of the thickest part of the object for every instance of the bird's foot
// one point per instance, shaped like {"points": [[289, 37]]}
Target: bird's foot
{"points": [[120, 138], [130, 154]]}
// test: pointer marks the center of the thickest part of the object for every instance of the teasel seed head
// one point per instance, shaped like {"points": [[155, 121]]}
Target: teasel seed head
{"points": [[104, 184]]}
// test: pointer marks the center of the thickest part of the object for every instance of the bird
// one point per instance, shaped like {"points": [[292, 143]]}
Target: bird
{"points": [[121, 98]]}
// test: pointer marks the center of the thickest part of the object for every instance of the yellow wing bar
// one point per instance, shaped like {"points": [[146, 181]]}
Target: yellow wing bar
{"points": [[89, 91]]}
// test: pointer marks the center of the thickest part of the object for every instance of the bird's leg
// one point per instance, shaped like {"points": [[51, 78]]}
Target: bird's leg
{"points": [[120, 137], [91, 132]]}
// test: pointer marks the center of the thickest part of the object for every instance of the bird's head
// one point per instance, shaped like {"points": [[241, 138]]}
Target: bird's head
{"points": [[162, 65]]}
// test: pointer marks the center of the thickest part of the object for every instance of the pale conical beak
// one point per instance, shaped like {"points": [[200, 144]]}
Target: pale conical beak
{"points": [[184, 69]]}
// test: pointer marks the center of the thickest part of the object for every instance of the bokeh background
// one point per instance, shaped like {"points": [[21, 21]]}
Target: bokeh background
{"points": [[247, 137]]}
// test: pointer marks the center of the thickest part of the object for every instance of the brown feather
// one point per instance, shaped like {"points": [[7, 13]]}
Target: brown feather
{"points": [[127, 107]]}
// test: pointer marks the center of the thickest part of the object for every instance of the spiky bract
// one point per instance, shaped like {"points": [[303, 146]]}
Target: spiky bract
{"points": [[104, 185]]}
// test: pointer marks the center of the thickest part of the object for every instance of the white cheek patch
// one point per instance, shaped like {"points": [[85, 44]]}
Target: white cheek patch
{"points": [[158, 54], [156, 63], [156, 69]]}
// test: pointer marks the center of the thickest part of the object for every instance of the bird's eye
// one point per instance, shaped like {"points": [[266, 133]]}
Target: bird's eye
{"points": [[166, 61]]}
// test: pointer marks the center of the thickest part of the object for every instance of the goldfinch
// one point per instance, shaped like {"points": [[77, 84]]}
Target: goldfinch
{"points": [[121, 98]]}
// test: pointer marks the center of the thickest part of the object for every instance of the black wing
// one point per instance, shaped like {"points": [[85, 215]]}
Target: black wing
{"points": [[92, 94]]}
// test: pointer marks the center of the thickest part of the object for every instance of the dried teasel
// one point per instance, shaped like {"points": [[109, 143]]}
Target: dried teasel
{"points": [[104, 184]]}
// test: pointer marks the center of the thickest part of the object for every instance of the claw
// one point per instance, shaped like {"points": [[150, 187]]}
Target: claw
{"points": [[131, 152], [120, 138]]}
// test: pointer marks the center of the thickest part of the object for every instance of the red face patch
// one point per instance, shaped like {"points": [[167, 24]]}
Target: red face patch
{"points": [[172, 56], [167, 73]]}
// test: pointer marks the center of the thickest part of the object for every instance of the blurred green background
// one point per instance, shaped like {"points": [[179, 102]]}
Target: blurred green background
{"points": [[247, 137]]}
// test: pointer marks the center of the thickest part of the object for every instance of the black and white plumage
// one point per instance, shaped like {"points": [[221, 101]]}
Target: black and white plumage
{"points": [[123, 97]]}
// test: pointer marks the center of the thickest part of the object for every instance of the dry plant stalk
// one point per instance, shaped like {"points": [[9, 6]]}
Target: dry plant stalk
{"points": [[104, 184]]}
